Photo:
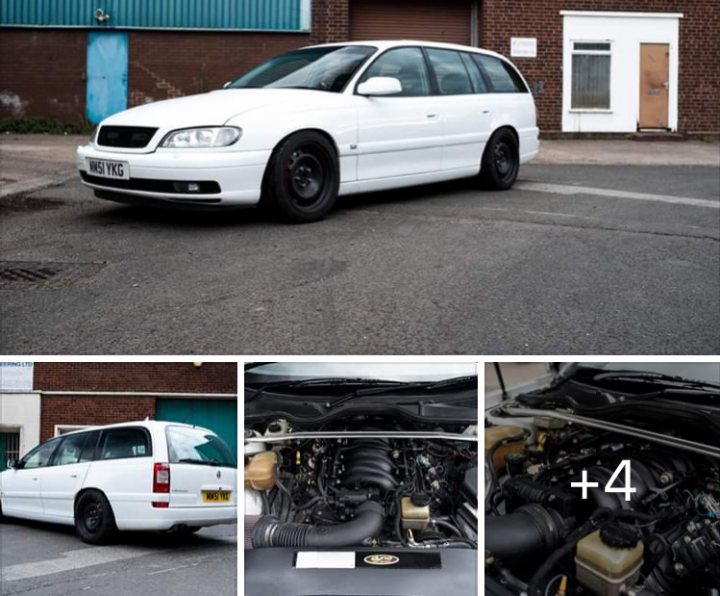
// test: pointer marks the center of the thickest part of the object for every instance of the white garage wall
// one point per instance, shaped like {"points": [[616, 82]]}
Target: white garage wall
{"points": [[625, 31], [21, 412]]}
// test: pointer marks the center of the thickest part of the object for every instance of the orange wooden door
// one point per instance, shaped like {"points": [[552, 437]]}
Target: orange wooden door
{"points": [[654, 83]]}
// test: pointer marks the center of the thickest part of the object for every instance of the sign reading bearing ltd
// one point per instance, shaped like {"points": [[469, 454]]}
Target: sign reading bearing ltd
{"points": [[16, 376]]}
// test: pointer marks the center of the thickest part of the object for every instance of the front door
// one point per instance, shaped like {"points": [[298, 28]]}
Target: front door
{"points": [[399, 135], [654, 83], [107, 74]]}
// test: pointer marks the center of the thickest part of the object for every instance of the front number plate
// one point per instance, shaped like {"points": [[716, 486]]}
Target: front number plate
{"points": [[216, 496], [107, 169]]}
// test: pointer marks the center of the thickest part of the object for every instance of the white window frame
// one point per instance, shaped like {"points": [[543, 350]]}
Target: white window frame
{"points": [[609, 52], [62, 429]]}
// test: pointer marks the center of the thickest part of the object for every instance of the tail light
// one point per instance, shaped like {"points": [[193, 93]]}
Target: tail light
{"points": [[161, 482]]}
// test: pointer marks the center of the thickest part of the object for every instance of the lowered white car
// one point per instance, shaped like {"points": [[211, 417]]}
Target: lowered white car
{"points": [[133, 476], [316, 123]]}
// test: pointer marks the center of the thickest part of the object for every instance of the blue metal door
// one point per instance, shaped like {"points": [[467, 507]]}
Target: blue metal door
{"points": [[107, 74]]}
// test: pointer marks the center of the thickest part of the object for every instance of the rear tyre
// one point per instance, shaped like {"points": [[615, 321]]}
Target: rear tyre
{"points": [[303, 177], [500, 161], [94, 518]]}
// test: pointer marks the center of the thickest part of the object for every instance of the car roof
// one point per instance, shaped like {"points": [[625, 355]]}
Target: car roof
{"points": [[149, 424], [384, 44]]}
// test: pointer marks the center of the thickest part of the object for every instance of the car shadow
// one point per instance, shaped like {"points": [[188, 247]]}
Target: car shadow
{"points": [[159, 540], [118, 214]]}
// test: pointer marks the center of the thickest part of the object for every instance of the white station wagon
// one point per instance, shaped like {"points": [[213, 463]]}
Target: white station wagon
{"points": [[310, 125], [132, 476]]}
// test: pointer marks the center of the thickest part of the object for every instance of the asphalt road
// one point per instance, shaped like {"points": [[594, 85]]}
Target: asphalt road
{"points": [[575, 260], [48, 560]]}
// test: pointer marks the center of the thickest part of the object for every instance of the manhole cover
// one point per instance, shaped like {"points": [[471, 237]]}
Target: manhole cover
{"points": [[19, 274]]}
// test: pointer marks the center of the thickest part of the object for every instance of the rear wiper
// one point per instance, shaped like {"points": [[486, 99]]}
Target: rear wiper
{"points": [[203, 462], [322, 382], [658, 378], [426, 387]]}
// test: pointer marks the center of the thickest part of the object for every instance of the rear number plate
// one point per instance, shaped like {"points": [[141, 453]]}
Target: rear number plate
{"points": [[108, 169], [216, 496]]}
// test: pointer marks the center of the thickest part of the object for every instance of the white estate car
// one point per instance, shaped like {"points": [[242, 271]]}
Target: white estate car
{"points": [[307, 126], [133, 476]]}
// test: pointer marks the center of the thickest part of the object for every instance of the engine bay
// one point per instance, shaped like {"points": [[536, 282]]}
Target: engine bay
{"points": [[366, 486], [546, 534]]}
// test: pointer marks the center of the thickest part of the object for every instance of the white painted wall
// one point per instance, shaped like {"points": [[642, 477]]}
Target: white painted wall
{"points": [[625, 32], [21, 412]]}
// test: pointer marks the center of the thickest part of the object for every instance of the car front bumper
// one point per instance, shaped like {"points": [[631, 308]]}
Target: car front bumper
{"points": [[156, 178]]}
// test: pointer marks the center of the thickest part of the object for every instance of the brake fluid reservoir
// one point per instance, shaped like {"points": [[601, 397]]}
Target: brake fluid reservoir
{"points": [[608, 562], [259, 471]]}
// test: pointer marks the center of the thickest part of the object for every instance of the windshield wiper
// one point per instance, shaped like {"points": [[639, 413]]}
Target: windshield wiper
{"points": [[321, 382], [657, 378], [426, 387]]}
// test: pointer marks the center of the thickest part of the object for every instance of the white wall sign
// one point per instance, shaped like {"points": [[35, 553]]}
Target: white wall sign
{"points": [[16, 376], [523, 47]]}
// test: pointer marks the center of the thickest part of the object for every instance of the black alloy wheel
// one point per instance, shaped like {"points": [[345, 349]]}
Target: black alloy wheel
{"points": [[94, 518], [303, 178], [500, 162]]}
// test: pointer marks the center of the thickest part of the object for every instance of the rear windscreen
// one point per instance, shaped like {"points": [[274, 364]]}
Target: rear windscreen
{"points": [[197, 446]]}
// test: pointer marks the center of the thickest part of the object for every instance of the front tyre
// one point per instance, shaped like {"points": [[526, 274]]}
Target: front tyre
{"points": [[500, 162], [94, 518], [303, 178]]}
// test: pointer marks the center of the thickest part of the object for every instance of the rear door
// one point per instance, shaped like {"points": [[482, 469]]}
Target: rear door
{"points": [[65, 476], [202, 469]]}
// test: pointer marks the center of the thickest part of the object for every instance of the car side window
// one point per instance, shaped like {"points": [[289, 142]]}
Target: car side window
{"points": [[124, 442], [503, 77], [405, 64], [450, 73], [479, 84], [70, 450], [40, 456]]}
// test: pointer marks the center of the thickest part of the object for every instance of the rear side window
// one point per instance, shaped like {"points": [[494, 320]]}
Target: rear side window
{"points": [[405, 64], [473, 69], [125, 442], [197, 446], [450, 72], [503, 78]]}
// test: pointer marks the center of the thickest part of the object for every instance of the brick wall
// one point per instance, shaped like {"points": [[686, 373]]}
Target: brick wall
{"points": [[81, 410], [179, 377], [699, 80], [42, 73]]}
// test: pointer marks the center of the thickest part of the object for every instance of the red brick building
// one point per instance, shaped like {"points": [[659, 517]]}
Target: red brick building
{"points": [[74, 395], [591, 63]]}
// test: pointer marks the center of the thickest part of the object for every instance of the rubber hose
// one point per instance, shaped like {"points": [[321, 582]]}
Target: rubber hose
{"points": [[368, 521], [529, 530]]}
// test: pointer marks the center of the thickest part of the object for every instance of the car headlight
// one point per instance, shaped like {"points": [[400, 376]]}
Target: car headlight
{"points": [[190, 138]]}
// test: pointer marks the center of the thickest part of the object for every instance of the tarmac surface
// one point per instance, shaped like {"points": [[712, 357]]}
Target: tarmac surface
{"points": [[576, 259]]}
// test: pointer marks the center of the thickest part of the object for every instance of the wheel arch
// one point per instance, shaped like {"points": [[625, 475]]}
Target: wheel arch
{"points": [[322, 132], [87, 489]]}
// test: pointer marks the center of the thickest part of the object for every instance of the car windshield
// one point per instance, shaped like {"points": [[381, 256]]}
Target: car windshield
{"points": [[702, 372], [322, 68], [196, 445], [395, 371]]}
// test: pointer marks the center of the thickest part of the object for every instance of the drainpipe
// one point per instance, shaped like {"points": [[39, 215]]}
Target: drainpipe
{"points": [[474, 22]]}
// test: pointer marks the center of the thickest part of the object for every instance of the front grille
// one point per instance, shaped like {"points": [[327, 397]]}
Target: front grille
{"points": [[207, 187], [131, 137]]}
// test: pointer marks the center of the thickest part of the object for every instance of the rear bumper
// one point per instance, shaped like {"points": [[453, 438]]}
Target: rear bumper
{"points": [[237, 174], [147, 517]]}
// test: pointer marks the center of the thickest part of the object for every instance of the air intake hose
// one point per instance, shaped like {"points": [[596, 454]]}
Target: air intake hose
{"points": [[368, 521], [530, 530]]}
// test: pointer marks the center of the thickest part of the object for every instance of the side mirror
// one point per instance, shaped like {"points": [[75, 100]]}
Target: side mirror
{"points": [[11, 464], [377, 86]]}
